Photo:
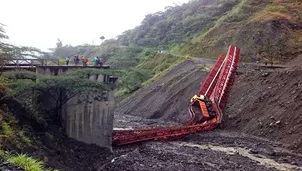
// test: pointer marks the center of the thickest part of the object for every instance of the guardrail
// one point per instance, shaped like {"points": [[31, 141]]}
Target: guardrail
{"points": [[30, 62]]}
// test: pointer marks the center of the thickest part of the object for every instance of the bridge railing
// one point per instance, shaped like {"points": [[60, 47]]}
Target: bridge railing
{"points": [[30, 62]]}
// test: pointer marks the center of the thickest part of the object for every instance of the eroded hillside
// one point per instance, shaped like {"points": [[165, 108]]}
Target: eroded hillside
{"points": [[168, 97]]}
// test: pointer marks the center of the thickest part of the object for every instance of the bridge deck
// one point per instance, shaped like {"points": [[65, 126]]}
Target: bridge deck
{"points": [[11, 64], [53, 66]]}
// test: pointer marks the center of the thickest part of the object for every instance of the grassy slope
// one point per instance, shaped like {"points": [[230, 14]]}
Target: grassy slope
{"points": [[153, 67], [265, 27]]}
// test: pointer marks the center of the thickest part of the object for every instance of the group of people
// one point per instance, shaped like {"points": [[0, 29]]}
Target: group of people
{"points": [[85, 61], [98, 61]]}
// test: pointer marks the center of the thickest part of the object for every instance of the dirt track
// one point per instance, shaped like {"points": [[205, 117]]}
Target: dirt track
{"points": [[255, 96]]}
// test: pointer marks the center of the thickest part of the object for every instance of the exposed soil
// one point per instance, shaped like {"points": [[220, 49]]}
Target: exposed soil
{"points": [[71, 155], [168, 97], [268, 103]]}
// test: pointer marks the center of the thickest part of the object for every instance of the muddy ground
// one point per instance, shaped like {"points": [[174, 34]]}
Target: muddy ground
{"points": [[220, 149], [217, 150]]}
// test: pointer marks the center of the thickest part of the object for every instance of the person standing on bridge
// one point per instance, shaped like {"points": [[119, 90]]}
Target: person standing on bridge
{"points": [[78, 60], [83, 60], [75, 60], [95, 61], [86, 61], [100, 61], [67, 60]]}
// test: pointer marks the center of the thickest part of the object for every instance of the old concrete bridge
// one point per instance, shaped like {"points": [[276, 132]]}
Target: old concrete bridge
{"points": [[87, 117]]}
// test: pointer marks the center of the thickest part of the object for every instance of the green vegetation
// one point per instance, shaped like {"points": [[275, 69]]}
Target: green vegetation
{"points": [[6, 130], [23, 108], [26, 162], [3, 87], [135, 53], [15, 75], [260, 28], [168, 30], [11, 133], [23, 161], [84, 73], [59, 89], [199, 28], [161, 65]]}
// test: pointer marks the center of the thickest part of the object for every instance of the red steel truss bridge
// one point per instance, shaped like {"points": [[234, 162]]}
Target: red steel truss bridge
{"points": [[205, 107]]}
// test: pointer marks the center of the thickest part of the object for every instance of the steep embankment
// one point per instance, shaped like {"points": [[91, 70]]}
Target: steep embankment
{"points": [[168, 97]]}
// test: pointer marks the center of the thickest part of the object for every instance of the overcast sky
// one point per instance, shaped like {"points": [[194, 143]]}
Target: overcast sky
{"points": [[40, 23]]}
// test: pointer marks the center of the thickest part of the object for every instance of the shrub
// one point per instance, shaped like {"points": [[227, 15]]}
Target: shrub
{"points": [[132, 79], [14, 75], [24, 161], [3, 87], [6, 129], [27, 163]]}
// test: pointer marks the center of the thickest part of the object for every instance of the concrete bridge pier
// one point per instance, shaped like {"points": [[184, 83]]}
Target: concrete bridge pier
{"points": [[87, 117]]}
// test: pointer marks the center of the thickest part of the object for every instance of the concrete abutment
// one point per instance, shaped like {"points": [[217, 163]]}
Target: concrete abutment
{"points": [[87, 117]]}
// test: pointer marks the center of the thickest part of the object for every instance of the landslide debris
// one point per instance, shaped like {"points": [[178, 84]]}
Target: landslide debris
{"points": [[267, 103]]}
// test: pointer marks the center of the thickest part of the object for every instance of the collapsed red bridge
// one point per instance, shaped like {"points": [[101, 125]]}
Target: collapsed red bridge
{"points": [[205, 108]]}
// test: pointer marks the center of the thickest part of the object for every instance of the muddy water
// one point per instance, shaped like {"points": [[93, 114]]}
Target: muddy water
{"points": [[261, 159]]}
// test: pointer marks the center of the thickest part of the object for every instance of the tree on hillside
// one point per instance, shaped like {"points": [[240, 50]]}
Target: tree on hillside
{"points": [[2, 32], [4, 53], [9, 51], [59, 43], [47, 94], [102, 38]]}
